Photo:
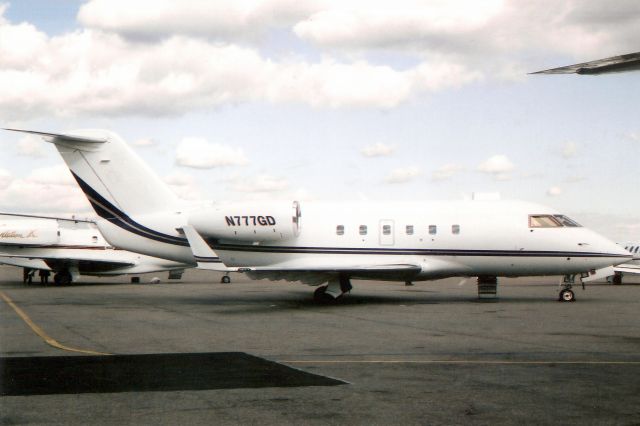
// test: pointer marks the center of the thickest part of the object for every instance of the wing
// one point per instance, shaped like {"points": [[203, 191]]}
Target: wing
{"points": [[314, 274], [622, 63], [628, 268]]}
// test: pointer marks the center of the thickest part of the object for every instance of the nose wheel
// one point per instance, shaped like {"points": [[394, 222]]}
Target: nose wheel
{"points": [[567, 295]]}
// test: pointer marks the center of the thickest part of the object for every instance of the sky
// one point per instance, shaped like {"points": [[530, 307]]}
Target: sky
{"points": [[330, 100]]}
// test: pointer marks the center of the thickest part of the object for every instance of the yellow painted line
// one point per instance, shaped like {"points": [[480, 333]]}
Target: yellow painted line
{"points": [[461, 362], [40, 332]]}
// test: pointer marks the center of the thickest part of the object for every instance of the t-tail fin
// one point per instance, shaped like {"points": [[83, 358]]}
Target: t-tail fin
{"points": [[140, 212], [104, 165]]}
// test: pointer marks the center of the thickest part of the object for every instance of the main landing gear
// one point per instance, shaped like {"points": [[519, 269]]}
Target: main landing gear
{"points": [[333, 290], [566, 294], [62, 278], [226, 279]]}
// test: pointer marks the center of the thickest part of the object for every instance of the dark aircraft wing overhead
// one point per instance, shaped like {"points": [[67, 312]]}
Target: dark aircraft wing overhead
{"points": [[622, 63]]}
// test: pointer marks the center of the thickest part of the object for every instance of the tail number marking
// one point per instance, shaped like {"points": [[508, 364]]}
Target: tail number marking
{"points": [[250, 220]]}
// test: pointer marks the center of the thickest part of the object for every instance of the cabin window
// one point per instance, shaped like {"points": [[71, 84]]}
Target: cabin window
{"points": [[386, 229], [543, 221], [455, 229], [433, 229], [409, 229], [565, 221], [363, 229], [340, 230]]}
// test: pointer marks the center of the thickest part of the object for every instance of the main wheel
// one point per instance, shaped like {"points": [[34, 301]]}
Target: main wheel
{"points": [[567, 295], [226, 279], [320, 295], [62, 278], [617, 278]]}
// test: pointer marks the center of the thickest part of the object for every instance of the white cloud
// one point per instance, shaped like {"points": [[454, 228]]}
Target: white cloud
{"points": [[239, 19], [184, 185], [634, 136], [260, 183], [377, 150], [403, 175], [48, 189], [160, 57], [446, 172], [144, 142], [401, 23], [200, 154], [569, 150], [31, 146], [5, 178], [499, 166], [554, 191], [474, 29], [95, 72], [52, 175]]}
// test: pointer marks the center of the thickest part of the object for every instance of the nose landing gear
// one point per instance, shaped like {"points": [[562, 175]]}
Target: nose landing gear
{"points": [[566, 294]]}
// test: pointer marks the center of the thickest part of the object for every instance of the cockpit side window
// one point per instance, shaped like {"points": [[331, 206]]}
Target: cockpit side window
{"points": [[543, 221], [566, 221], [551, 221]]}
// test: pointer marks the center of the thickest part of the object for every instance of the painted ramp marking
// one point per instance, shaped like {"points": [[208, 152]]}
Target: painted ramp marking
{"points": [[40, 332]]}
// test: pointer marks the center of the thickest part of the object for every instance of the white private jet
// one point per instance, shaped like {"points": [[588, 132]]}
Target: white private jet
{"points": [[329, 243], [71, 248]]}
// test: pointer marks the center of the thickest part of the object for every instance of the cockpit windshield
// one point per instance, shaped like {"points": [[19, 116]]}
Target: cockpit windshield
{"points": [[551, 221], [566, 221]]}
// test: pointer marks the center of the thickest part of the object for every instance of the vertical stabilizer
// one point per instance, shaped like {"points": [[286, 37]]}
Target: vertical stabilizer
{"points": [[139, 211]]}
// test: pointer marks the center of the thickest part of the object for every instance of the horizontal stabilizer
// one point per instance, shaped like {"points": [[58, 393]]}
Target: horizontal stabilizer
{"points": [[205, 257], [61, 138], [24, 262]]}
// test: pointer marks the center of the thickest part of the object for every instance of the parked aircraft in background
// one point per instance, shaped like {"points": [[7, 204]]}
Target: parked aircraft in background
{"points": [[330, 243], [71, 248], [622, 63], [632, 268]]}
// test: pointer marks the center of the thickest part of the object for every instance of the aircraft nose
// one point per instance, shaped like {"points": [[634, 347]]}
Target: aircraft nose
{"points": [[615, 250]]}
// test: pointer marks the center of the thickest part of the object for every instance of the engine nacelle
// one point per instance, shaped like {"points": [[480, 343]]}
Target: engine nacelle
{"points": [[255, 222], [28, 232]]}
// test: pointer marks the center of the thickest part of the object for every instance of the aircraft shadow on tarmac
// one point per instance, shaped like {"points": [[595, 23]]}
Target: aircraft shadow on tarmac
{"points": [[147, 373]]}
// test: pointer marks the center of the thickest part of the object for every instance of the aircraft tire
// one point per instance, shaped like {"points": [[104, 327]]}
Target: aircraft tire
{"points": [[567, 295], [62, 278], [226, 279], [617, 278], [320, 295]]}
